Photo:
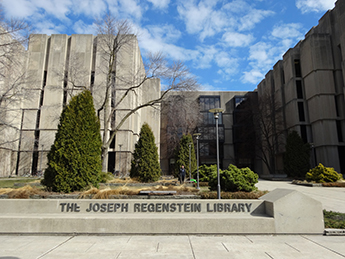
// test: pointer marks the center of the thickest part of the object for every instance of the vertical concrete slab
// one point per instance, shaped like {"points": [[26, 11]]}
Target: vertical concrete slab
{"points": [[37, 52]]}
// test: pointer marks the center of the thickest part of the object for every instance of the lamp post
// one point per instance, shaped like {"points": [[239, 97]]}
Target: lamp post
{"points": [[197, 135], [41, 159], [216, 112], [120, 145], [190, 162]]}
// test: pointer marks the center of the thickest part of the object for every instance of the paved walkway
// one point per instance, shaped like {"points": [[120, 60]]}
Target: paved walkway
{"points": [[332, 198], [268, 247], [188, 246]]}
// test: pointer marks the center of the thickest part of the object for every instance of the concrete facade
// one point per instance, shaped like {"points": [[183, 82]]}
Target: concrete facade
{"points": [[308, 86], [60, 66]]}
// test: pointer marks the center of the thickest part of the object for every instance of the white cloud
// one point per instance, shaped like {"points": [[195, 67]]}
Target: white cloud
{"points": [[18, 8], [202, 18], [132, 8], [160, 4], [286, 31], [207, 18], [307, 6], [264, 54], [253, 76], [159, 39], [93, 8], [81, 27], [235, 39], [254, 16], [49, 28]]}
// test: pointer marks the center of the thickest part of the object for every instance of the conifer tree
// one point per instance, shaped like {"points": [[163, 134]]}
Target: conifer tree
{"points": [[297, 156], [182, 155], [145, 164], [74, 160]]}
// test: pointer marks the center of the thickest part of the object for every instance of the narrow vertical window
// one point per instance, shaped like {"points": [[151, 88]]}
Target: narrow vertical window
{"points": [[301, 111], [299, 89], [298, 71]]}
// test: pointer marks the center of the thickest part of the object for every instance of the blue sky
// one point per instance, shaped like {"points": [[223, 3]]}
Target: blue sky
{"points": [[227, 45]]}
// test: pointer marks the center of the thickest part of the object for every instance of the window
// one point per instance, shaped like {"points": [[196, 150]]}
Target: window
{"points": [[301, 111], [336, 106], [299, 89], [238, 100], [339, 131], [206, 103], [298, 71], [304, 135]]}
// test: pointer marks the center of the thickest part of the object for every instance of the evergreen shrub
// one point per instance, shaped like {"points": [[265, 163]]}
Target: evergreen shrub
{"points": [[297, 156], [74, 160], [205, 171], [182, 155], [322, 174], [145, 163], [234, 179]]}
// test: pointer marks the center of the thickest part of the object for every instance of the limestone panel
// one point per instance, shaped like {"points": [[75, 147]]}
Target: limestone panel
{"points": [[50, 116], [80, 60], [37, 52], [47, 138], [8, 159], [321, 107], [328, 156], [289, 63], [291, 114], [53, 92], [31, 99], [320, 48], [290, 91], [25, 161], [29, 120], [27, 140], [324, 133], [320, 82]]}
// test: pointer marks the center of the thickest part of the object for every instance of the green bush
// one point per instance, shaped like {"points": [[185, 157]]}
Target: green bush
{"points": [[322, 174], [74, 160], [106, 176], [145, 163], [334, 219], [182, 155], [297, 156], [234, 179], [205, 171]]}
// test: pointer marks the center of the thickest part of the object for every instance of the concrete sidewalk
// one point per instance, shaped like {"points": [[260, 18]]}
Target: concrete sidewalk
{"points": [[185, 246]]}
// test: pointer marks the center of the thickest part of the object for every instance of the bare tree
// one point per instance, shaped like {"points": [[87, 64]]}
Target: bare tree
{"points": [[269, 128], [13, 40], [116, 80], [182, 115]]}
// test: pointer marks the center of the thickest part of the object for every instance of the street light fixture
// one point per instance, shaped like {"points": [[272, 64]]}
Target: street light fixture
{"points": [[197, 135], [216, 112]]}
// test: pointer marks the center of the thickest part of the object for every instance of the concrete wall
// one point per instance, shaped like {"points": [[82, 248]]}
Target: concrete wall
{"points": [[61, 66]]}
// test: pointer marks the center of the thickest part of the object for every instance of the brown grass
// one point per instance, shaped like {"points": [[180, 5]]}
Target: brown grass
{"points": [[123, 190], [336, 184], [21, 193]]}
